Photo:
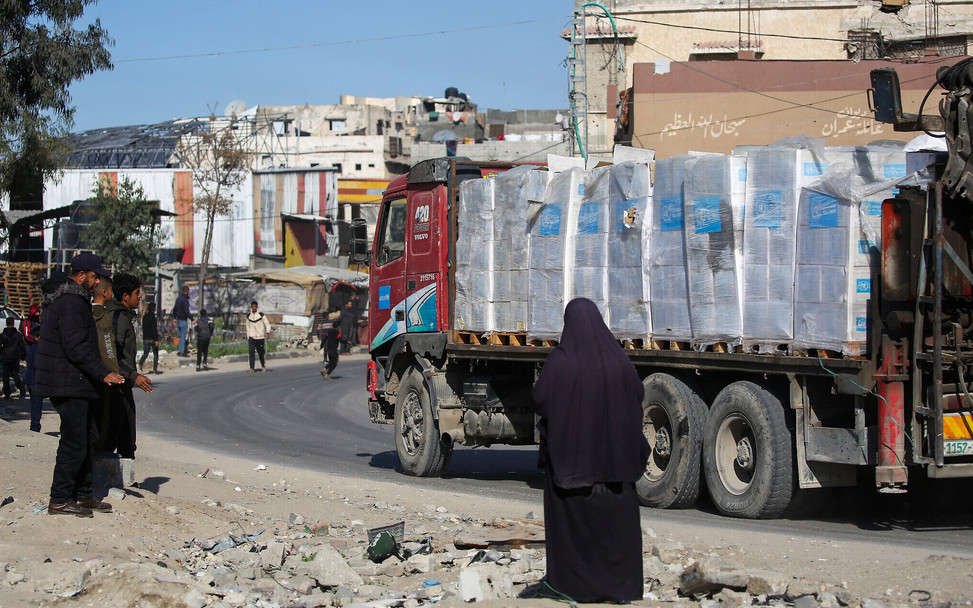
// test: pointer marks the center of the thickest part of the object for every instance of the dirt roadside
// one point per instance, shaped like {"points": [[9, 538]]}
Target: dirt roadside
{"points": [[175, 503]]}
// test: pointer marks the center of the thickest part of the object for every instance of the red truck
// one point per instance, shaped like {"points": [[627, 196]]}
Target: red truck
{"points": [[751, 428]]}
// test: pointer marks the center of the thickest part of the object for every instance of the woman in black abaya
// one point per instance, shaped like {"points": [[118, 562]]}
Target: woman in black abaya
{"points": [[589, 400]]}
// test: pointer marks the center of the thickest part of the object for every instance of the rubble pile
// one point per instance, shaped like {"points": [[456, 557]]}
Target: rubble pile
{"points": [[443, 558]]}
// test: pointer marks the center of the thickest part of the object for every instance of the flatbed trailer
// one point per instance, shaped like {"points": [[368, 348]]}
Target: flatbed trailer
{"points": [[751, 428]]}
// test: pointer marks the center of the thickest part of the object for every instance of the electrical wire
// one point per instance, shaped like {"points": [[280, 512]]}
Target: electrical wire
{"points": [[339, 42], [722, 31]]}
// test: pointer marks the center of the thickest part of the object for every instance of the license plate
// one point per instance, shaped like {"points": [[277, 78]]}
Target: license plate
{"points": [[958, 448]]}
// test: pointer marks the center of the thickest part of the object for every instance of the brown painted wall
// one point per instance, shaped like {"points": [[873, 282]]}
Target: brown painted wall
{"points": [[716, 106]]}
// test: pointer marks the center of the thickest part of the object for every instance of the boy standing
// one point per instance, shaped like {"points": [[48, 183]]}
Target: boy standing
{"points": [[101, 410], [128, 296]]}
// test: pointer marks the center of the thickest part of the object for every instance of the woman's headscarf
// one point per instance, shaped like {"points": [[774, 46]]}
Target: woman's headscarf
{"points": [[589, 398]]}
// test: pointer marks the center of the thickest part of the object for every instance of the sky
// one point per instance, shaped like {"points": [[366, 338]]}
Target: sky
{"points": [[180, 58]]}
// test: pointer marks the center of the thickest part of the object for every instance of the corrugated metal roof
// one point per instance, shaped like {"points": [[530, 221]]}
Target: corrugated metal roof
{"points": [[135, 146]]}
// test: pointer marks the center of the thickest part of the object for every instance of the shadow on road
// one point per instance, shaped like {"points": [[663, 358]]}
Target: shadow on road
{"points": [[929, 504], [494, 464], [152, 484]]}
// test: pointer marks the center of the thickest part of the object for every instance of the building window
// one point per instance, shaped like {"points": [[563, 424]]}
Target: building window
{"points": [[337, 166], [337, 124], [357, 166]]}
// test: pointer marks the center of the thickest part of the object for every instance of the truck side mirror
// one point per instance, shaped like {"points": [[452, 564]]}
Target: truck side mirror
{"points": [[359, 241], [885, 102]]}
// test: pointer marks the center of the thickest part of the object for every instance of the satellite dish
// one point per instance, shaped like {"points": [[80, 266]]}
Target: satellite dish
{"points": [[235, 107]]}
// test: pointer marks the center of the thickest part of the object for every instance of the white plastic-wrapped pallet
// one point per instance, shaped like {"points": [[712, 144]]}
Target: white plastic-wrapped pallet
{"points": [[629, 194], [666, 254], [591, 242], [829, 311], [774, 178], [515, 190], [713, 250], [551, 272], [473, 310]]}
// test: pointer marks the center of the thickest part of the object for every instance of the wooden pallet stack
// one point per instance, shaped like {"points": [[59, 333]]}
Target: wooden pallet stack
{"points": [[21, 283]]}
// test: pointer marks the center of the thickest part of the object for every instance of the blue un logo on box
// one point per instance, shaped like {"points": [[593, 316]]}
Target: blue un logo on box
{"points": [[861, 324], [863, 285]]}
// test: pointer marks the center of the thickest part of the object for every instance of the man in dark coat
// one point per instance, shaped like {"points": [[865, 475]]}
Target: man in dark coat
{"points": [[181, 314], [589, 400], [69, 369], [346, 323], [12, 352], [150, 339], [127, 297]]}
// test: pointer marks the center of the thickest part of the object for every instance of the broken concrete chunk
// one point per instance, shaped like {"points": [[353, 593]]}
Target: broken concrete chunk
{"points": [[272, 558], [766, 582], [330, 569], [116, 494], [296, 519], [733, 599], [807, 601], [668, 552], [711, 574], [422, 563]]}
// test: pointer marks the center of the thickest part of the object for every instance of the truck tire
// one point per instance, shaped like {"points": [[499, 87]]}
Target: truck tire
{"points": [[673, 421], [747, 457], [417, 442]]}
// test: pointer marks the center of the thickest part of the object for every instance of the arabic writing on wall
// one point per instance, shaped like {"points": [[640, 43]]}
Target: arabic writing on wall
{"points": [[710, 127], [851, 120]]}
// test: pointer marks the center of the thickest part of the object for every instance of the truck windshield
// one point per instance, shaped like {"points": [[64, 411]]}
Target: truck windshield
{"points": [[392, 245]]}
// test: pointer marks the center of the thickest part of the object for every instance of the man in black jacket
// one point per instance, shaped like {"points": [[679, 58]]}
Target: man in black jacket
{"points": [[12, 352], [69, 369], [128, 296], [181, 314], [150, 339]]}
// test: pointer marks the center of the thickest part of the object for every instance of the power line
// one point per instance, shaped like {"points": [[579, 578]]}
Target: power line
{"points": [[339, 42], [721, 31]]}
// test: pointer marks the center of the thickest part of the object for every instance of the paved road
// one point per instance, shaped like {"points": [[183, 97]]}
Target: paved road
{"points": [[292, 416]]}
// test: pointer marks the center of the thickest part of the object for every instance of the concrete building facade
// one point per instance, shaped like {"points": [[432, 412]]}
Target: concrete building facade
{"points": [[711, 35]]}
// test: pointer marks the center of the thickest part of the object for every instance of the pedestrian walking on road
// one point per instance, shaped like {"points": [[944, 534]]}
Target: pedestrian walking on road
{"points": [[589, 400], [258, 330], [204, 331], [329, 343], [181, 314], [69, 371], [150, 338]]}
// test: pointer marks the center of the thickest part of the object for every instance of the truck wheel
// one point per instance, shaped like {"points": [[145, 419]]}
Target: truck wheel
{"points": [[417, 442], [673, 420], [747, 453]]}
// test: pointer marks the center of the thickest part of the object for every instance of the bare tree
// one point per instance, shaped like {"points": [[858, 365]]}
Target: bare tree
{"points": [[219, 155]]}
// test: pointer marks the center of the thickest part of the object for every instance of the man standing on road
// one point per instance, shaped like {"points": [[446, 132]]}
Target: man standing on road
{"points": [[258, 330], [69, 370], [128, 296], [347, 322], [181, 313], [150, 339], [12, 352]]}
